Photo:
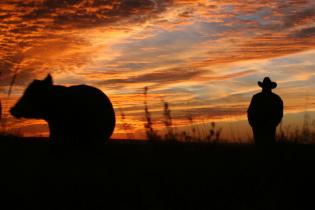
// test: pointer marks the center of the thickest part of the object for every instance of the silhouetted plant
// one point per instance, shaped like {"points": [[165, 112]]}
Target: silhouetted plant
{"points": [[200, 132], [214, 134], [289, 135], [186, 137], [16, 61], [192, 128], [3, 116], [306, 130], [170, 135], [305, 135], [12, 84], [126, 126], [203, 132], [150, 132]]}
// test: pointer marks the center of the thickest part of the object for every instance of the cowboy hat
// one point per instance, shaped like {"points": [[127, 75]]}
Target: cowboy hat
{"points": [[267, 84]]}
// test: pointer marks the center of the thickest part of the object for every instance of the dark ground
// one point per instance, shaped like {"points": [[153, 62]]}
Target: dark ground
{"points": [[145, 175]]}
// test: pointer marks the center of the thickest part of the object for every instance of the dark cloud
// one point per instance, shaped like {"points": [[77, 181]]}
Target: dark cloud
{"points": [[84, 13], [295, 18], [215, 112], [39, 26], [306, 32], [159, 78]]}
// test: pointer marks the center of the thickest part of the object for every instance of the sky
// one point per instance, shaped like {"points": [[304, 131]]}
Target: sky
{"points": [[203, 57]]}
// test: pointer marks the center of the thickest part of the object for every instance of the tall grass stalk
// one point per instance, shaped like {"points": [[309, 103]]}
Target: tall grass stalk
{"points": [[126, 126], [148, 125], [16, 63], [195, 131]]}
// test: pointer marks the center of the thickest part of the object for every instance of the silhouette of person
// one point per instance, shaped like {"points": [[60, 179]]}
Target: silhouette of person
{"points": [[265, 113]]}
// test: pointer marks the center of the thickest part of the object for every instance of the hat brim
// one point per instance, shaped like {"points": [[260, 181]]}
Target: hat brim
{"points": [[271, 85]]}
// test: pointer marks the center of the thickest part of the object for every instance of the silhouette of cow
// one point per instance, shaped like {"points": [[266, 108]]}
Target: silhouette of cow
{"points": [[265, 113], [76, 114]]}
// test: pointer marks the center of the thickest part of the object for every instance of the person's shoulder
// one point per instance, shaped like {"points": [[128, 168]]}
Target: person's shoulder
{"points": [[257, 95], [277, 98]]}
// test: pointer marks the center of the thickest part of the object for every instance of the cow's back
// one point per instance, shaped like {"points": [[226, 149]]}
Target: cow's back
{"points": [[82, 112]]}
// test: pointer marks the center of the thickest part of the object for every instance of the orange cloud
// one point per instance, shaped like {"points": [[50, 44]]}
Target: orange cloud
{"points": [[204, 57]]}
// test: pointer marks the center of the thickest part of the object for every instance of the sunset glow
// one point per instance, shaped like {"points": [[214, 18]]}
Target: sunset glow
{"points": [[204, 57]]}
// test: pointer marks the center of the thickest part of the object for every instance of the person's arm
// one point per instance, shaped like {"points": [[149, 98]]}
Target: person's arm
{"points": [[280, 110], [250, 112]]}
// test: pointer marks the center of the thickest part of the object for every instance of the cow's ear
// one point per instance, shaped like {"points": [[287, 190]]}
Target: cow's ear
{"points": [[48, 80]]}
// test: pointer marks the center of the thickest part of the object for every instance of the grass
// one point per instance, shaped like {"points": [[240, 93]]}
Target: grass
{"points": [[209, 132], [189, 170], [155, 175], [295, 135], [176, 170], [195, 131]]}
